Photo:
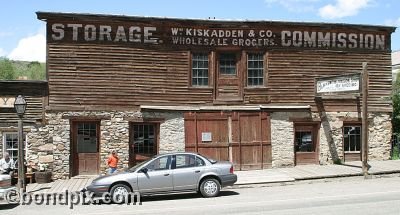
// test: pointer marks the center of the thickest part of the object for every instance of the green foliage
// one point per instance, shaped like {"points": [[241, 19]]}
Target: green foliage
{"points": [[11, 70], [337, 161], [396, 105], [6, 69], [395, 153]]}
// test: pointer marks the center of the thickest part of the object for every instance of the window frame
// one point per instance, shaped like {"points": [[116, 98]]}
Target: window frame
{"points": [[208, 71], [352, 124], [4, 150], [306, 128], [96, 129], [174, 166], [237, 61], [169, 157], [156, 127], [264, 70]]}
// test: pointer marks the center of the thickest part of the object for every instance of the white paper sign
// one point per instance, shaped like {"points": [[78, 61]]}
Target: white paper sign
{"points": [[339, 84], [206, 137]]}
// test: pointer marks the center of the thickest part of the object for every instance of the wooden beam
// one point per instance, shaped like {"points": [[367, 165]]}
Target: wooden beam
{"points": [[364, 132]]}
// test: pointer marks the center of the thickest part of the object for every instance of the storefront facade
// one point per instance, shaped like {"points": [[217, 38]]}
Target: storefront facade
{"points": [[239, 91]]}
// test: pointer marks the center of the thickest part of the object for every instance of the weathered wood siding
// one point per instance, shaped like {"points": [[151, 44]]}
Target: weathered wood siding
{"points": [[291, 78], [35, 93], [103, 75], [87, 69]]}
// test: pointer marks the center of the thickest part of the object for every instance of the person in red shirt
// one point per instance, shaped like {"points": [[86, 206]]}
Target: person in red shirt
{"points": [[112, 162]]}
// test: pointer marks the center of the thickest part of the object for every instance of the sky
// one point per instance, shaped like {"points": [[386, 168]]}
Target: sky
{"points": [[22, 35]]}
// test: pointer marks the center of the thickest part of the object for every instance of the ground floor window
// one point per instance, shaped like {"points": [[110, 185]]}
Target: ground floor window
{"points": [[10, 144], [304, 139], [144, 138], [87, 137], [352, 138]]}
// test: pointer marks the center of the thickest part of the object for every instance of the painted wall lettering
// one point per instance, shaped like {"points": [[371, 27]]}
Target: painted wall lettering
{"points": [[180, 37], [106, 33]]}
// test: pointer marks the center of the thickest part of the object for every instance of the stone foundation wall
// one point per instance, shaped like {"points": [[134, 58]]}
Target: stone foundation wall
{"points": [[172, 131], [330, 136], [282, 137], [380, 136], [50, 144], [115, 135]]}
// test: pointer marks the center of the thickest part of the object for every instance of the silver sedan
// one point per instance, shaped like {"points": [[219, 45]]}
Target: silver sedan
{"points": [[168, 173]]}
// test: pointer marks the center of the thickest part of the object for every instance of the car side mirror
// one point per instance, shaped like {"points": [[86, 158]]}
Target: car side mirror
{"points": [[144, 170]]}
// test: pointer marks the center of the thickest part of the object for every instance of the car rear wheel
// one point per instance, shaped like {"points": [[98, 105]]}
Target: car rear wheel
{"points": [[210, 187], [120, 193]]}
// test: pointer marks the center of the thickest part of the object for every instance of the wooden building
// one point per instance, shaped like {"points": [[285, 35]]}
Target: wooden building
{"points": [[35, 93], [262, 94]]}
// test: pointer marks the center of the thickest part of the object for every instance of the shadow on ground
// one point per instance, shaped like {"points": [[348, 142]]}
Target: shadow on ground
{"points": [[155, 198], [6, 206], [183, 196]]}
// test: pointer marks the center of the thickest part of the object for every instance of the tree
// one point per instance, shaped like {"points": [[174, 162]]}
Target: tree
{"points": [[396, 104], [36, 71], [6, 69]]}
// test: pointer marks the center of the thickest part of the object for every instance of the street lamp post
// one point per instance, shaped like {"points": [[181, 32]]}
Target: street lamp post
{"points": [[20, 107]]}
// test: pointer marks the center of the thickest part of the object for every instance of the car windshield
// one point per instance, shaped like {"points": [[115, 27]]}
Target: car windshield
{"points": [[134, 168]]}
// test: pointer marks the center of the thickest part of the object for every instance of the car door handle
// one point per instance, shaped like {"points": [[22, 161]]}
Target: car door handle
{"points": [[166, 174], [197, 171]]}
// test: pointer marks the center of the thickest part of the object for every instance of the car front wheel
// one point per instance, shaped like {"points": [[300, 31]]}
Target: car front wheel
{"points": [[210, 187], [120, 193]]}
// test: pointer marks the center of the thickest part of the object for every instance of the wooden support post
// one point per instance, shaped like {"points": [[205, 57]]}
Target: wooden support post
{"points": [[230, 139], [364, 132], [21, 163]]}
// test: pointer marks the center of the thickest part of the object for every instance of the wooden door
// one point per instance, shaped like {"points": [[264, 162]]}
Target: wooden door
{"points": [[228, 78], [85, 148], [306, 144], [251, 145], [207, 134], [143, 142], [243, 138]]}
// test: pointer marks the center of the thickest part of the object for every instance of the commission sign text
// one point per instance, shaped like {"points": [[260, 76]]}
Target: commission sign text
{"points": [[142, 34]]}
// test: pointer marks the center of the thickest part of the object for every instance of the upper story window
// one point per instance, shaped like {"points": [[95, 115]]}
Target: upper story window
{"points": [[199, 69], [227, 64], [255, 69]]}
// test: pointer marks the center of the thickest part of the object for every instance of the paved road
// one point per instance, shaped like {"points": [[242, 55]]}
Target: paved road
{"points": [[344, 196]]}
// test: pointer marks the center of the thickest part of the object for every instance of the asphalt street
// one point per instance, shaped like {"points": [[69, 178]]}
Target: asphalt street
{"points": [[341, 196]]}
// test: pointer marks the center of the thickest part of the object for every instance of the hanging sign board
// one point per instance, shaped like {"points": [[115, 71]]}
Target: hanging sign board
{"points": [[338, 84]]}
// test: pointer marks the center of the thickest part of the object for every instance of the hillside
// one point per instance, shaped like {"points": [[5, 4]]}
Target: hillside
{"points": [[13, 70]]}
